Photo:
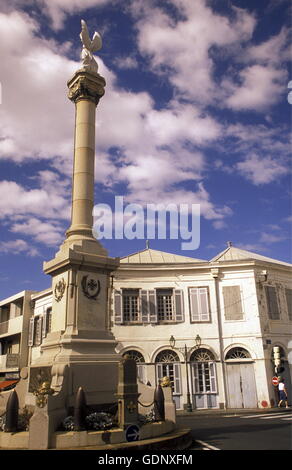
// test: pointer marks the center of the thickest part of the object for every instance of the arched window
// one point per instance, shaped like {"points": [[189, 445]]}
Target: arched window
{"points": [[168, 365], [140, 361], [202, 355], [136, 355], [167, 356], [237, 354]]}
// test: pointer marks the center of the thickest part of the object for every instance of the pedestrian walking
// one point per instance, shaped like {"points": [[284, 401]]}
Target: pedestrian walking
{"points": [[282, 393]]}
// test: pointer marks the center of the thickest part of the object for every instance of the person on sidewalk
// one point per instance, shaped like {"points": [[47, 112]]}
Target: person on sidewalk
{"points": [[282, 393]]}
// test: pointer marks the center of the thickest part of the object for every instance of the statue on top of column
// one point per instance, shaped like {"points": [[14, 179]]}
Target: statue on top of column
{"points": [[89, 46]]}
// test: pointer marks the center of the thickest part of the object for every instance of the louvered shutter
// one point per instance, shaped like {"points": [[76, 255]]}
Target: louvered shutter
{"points": [[118, 307], [204, 303], [196, 377], [31, 332], [288, 293], [199, 304], [212, 368], [273, 308], [45, 319], [38, 331], [152, 306], [194, 304], [179, 305], [232, 303], [176, 379], [144, 306]]}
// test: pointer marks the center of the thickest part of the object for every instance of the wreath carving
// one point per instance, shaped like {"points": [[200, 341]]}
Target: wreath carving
{"points": [[90, 287], [59, 290]]}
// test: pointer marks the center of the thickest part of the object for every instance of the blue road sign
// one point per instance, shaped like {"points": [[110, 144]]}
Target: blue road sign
{"points": [[132, 433]]}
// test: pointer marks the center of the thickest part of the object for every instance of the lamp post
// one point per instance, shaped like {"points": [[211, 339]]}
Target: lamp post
{"points": [[185, 351]]}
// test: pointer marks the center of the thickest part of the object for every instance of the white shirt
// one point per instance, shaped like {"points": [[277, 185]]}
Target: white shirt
{"points": [[281, 386]]}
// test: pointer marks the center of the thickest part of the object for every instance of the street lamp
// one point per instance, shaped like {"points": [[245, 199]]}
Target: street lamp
{"points": [[184, 351]]}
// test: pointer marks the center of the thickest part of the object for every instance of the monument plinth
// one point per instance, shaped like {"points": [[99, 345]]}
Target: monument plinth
{"points": [[80, 338]]}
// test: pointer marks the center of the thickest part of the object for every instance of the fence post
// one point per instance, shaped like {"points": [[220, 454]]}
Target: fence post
{"points": [[159, 409], [12, 413], [80, 410]]}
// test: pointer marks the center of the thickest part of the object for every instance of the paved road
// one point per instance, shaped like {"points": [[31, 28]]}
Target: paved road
{"points": [[253, 430]]}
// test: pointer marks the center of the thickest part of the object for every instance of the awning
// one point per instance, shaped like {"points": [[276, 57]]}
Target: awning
{"points": [[7, 384]]}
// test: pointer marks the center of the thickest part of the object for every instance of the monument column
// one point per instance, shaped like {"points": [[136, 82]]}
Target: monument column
{"points": [[85, 90], [80, 340]]}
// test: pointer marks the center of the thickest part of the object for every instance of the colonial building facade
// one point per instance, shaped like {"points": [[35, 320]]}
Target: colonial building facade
{"points": [[210, 326], [238, 305]]}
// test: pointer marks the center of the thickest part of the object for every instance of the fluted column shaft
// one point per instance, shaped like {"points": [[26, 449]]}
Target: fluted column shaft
{"points": [[85, 90]]}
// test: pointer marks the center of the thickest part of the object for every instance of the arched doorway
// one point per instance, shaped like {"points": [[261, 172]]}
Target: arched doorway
{"points": [[167, 364], [204, 383], [241, 383]]}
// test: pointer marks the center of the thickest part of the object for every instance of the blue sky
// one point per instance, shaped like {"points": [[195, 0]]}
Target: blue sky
{"points": [[195, 112]]}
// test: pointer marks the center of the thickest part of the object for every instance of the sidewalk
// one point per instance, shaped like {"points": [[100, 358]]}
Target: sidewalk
{"points": [[235, 411]]}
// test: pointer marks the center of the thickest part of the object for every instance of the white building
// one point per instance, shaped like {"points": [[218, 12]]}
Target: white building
{"points": [[240, 305], [15, 314], [225, 315]]}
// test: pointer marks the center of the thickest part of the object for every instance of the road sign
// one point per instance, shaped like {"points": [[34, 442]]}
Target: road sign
{"points": [[132, 433], [275, 381]]}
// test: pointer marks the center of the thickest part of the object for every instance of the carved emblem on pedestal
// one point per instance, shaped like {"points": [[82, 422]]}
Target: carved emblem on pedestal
{"points": [[59, 290], [90, 287]]}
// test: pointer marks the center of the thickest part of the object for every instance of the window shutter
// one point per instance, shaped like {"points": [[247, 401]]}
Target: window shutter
{"points": [[144, 306], [179, 305], [141, 372], [204, 303], [38, 332], [199, 304], [273, 308], [152, 306], [196, 377], [31, 331], [232, 303], [176, 379], [118, 307], [45, 319], [212, 368], [194, 304], [288, 293]]}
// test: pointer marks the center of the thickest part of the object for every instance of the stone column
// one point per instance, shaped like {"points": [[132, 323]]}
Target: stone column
{"points": [[85, 90]]}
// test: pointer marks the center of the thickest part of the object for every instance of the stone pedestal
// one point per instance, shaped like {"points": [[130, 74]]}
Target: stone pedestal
{"points": [[127, 393]]}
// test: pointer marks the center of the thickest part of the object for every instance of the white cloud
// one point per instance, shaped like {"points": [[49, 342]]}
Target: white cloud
{"points": [[260, 87], [261, 170], [272, 51], [36, 116], [17, 247], [49, 201], [125, 63], [272, 238], [48, 233], [181, 49]]}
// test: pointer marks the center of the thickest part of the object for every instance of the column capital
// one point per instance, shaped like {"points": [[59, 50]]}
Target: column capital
{"points": [[86, 86]]}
